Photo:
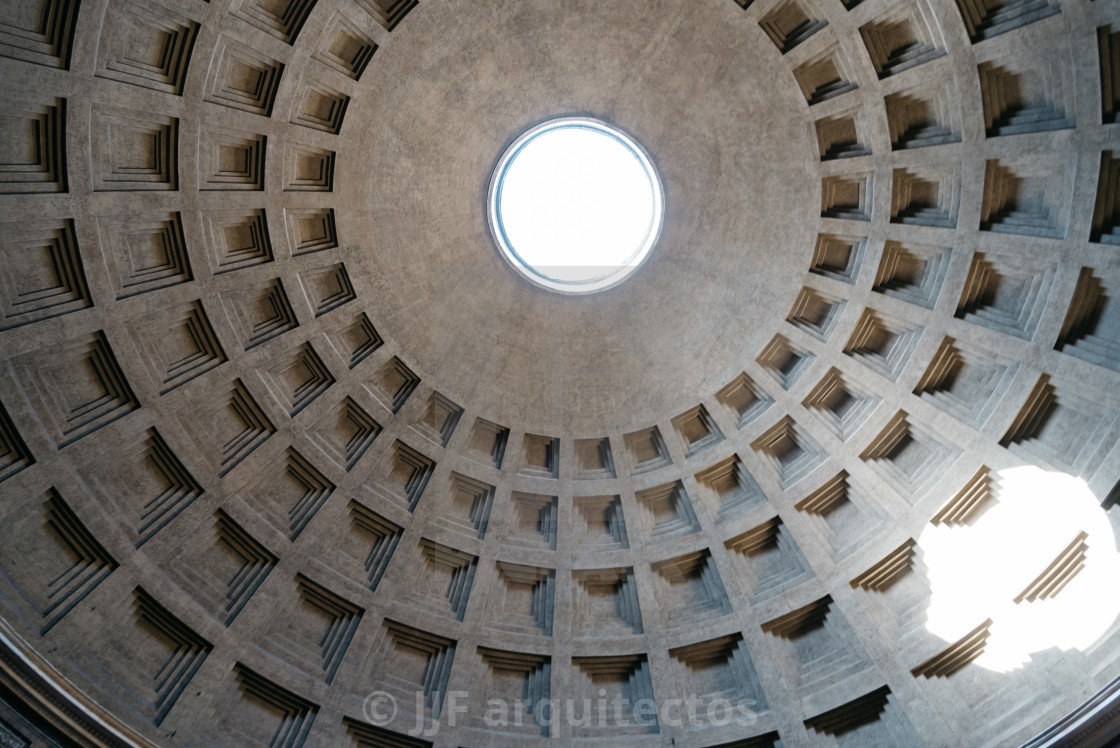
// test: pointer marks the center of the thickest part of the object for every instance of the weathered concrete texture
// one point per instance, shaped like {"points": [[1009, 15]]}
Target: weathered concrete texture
{"points": [[692, 84], [277, 422]]}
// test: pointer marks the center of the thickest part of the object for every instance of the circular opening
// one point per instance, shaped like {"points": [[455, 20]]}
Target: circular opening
{"points": [[575, 205]]}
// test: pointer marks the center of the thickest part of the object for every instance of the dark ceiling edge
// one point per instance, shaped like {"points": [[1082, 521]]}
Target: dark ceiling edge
{"points": [[44, 695], [1094, 724]]}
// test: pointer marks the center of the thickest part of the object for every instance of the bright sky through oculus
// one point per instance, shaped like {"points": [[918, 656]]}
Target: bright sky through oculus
{"points": [[575, 205]]}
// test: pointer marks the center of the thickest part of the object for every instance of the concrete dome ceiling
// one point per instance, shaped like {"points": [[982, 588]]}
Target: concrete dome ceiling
{"points": [[689, 87], [281, 434]]}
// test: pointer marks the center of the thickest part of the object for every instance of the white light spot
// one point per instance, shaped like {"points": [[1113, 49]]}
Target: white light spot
{"points": [[575, 205], [977, 571]]}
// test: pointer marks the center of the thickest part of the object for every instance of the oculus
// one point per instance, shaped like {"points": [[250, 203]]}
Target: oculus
{"points": [[575, 205]]}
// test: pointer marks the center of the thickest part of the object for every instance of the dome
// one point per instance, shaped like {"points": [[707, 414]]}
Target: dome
{"points": [[292, 453]]}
